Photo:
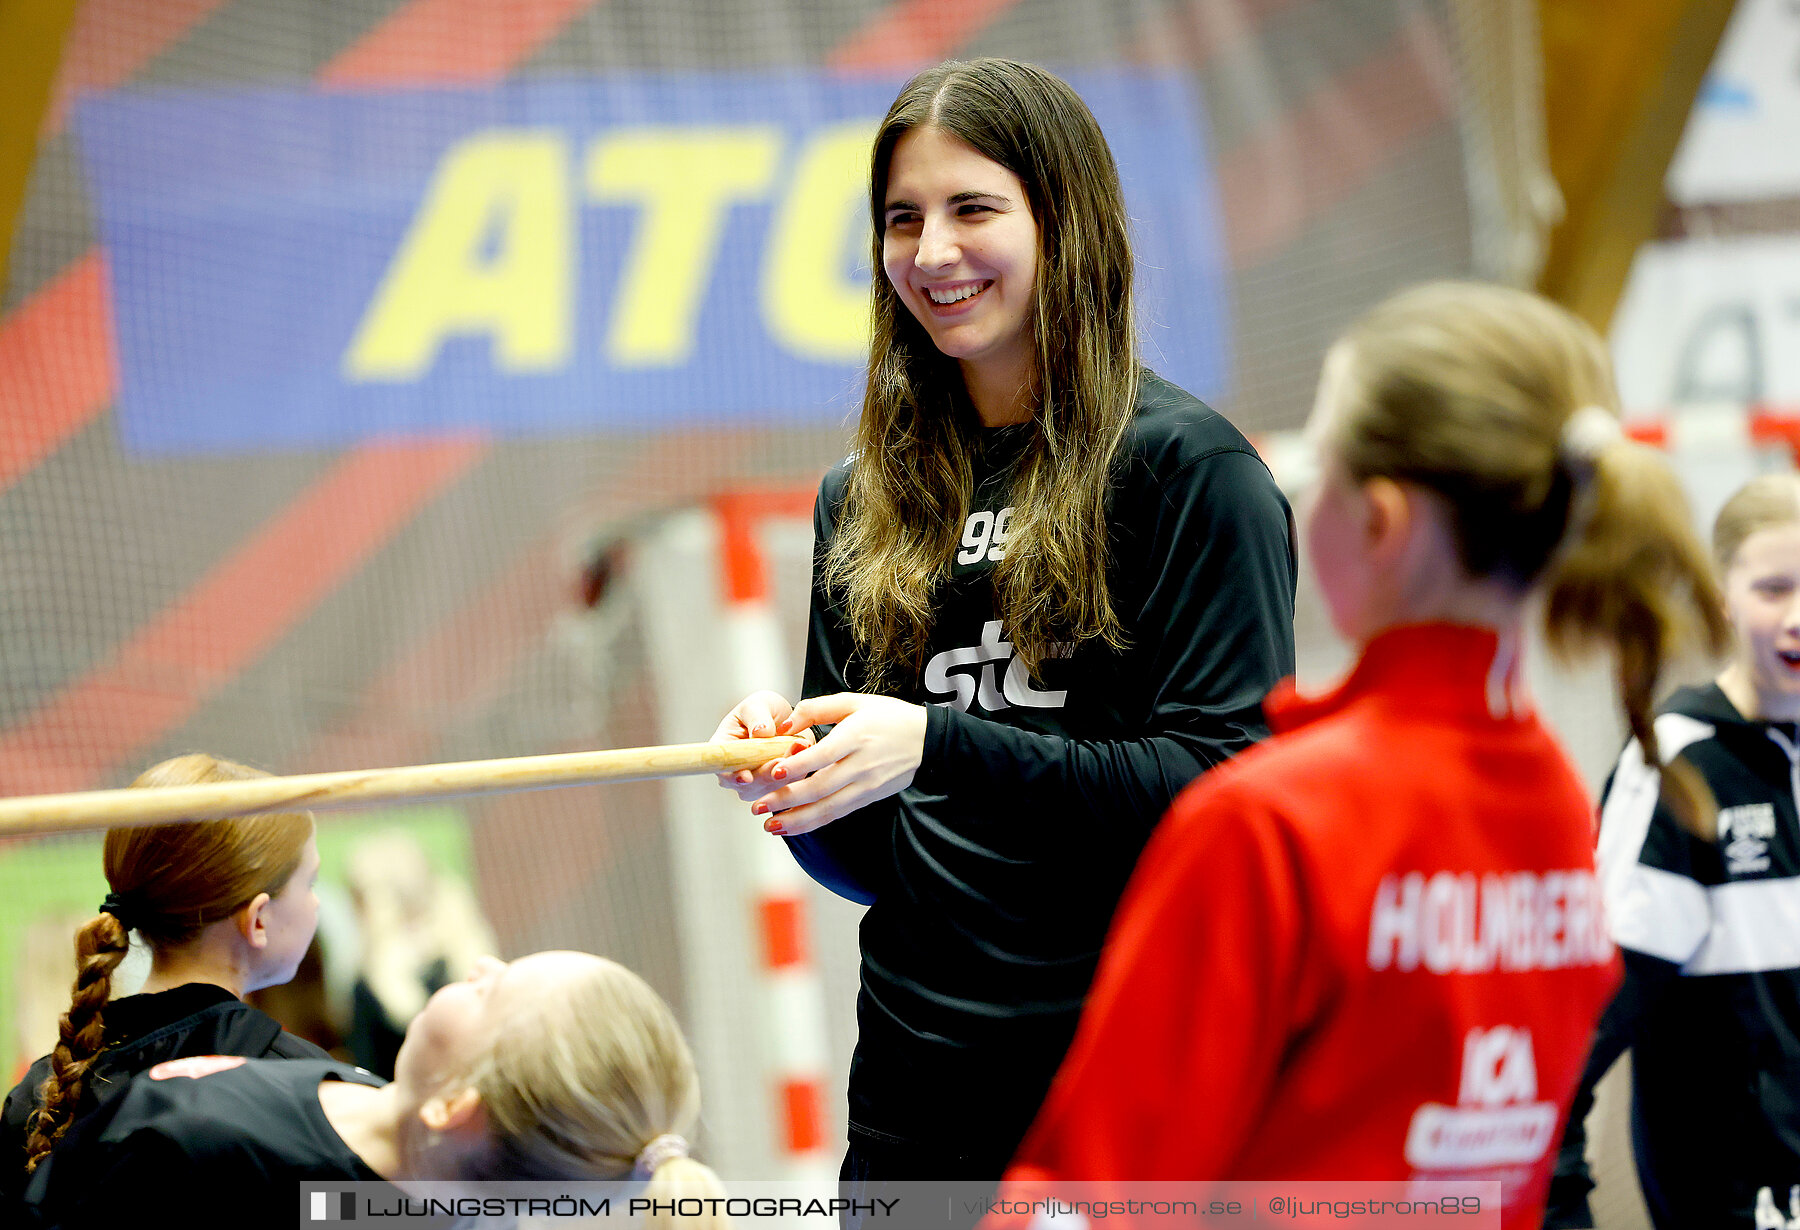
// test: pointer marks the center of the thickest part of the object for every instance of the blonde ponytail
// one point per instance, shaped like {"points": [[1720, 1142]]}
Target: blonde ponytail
{"points": [[1634, 577], [597, 1085], [1503, 404], [682, 1177]]}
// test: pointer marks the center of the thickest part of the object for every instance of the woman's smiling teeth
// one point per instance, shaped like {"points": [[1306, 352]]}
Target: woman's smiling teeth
{"points": [[956, 294]]}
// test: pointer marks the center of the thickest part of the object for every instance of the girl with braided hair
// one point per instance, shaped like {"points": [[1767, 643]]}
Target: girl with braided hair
{"points": [[556, 1067], [226, 907]]}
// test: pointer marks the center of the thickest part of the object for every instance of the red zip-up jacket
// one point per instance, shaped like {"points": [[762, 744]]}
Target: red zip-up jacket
{"points": [[1368, 948]]}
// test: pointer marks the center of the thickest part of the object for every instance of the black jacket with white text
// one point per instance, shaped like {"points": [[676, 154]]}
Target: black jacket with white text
{"points": [[992, 878], [1710, 1006], [140, 1032]]}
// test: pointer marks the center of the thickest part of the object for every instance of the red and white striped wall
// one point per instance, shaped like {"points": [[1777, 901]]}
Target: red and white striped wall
{"points": [[789, 986], [707, 582]]}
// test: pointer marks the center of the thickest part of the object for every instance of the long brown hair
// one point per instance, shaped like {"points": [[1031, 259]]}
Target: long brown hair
{"points": [[913, 475], [174, 880], [1469, 390]]}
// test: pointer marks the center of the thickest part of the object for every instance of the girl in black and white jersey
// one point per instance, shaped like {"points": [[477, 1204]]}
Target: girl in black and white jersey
{"points": [[1710, 1006]]}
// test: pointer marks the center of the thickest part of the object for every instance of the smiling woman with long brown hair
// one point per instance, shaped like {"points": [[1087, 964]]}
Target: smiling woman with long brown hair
{"points": [[1049, 590]]}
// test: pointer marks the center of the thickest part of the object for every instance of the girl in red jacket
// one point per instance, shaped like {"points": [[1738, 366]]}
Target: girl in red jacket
{"points": [[1372, 946]]}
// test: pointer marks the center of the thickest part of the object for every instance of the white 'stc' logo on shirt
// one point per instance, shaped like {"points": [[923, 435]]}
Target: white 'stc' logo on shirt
{"points": [[973, 676]]}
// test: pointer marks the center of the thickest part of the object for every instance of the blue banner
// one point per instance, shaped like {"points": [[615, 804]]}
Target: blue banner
{"points": [[296, 269]]}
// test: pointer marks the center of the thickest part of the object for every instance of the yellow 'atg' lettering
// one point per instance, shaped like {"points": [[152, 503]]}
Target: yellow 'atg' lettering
{"points": [[490, 251], [809, 306], [684, 180]]}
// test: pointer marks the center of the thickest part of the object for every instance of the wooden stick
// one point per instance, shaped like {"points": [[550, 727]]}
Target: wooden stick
{"points": [[105, 809]]}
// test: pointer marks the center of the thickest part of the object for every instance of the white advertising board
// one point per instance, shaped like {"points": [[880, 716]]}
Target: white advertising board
{"points": [[1710, 321], [1742, 141]]}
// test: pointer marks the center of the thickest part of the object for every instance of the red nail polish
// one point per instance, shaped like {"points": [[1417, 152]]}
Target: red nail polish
{"points": [[759, 809], [778, 772], [773, 826]]}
